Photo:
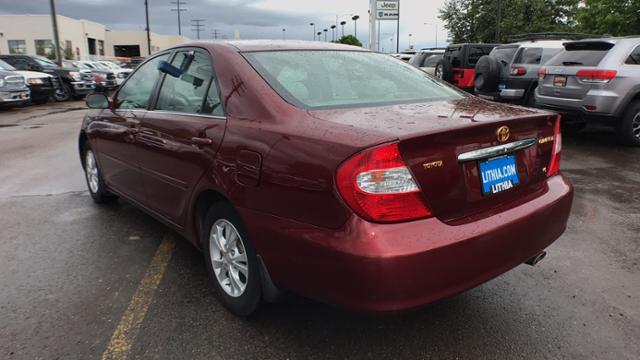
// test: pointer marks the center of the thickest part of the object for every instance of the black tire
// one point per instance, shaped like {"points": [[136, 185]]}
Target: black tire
{"points": [[444, 70], [530, 97], [487, 74], [248, 301], [100, 194], [64, 93], [628, 128]]}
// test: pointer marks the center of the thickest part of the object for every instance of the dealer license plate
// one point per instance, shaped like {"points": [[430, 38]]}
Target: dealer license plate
{"points": [[498, 174]]}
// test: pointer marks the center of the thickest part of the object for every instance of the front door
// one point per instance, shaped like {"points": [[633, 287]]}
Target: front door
{"points": [[179, 137], [116, 131]]}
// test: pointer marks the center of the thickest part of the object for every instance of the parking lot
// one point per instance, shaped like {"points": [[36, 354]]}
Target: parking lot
{"points": [[70, 270]]}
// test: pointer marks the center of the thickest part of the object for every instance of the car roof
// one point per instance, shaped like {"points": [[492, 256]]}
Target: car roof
{"points": [[271, 45]]}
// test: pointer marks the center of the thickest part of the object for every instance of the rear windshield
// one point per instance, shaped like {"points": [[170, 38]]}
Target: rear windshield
{"points": [[581, 54], [332, 79], [503, 54]]}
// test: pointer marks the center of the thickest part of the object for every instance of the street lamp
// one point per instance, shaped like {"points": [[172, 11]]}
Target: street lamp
{"points": [[319, 33], [325, 34], [284, 32], [410, 35], [355, 25], [333, 33], [436, 27], [314, 30], [343, 23]]}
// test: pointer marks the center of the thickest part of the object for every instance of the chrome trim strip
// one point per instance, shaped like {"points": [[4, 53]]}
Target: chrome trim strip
{"points": [[496, 150], [168, 112]]}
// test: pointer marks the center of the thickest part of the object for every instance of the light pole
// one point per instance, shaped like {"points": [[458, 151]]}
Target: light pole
{"points": [[410, 35], [355, 25], [325, 34], [314, 30], [343, 23], [56, 38], [284, 34], [319, 33], [333, 33], [435, 26]]}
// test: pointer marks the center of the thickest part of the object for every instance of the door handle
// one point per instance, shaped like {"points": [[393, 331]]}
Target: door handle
{"points": [[201, 141]]}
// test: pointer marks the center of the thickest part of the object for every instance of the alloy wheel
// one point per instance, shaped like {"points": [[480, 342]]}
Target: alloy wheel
{"points": [[91, 170], [635, 126], [229, 258], [438, 72]]}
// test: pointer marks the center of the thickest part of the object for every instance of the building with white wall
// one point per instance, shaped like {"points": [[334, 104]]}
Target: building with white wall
{"points": [[79, 39]]}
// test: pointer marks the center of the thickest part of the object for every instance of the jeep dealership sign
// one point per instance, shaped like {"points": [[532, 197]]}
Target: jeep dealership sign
{"points": [[387, 10]]}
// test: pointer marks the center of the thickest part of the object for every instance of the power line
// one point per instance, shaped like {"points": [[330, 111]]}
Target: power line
{"points": [[197, 26], [178, 9]]}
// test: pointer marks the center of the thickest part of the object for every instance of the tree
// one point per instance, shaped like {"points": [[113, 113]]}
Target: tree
{"points": [[616, 18], [68, 53], [476, 20], [349, 40]]}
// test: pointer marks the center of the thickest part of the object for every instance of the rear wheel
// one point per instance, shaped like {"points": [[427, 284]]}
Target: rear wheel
{"points": [[231, 260], [444, 70], [628, 128]]}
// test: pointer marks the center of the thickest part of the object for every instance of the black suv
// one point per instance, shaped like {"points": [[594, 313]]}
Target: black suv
{"points": [[458, 63], [72, 82]]}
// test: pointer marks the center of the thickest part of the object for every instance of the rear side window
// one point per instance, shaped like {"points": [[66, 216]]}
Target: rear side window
{"points": [[416, 60], [452, 55], [581, 54], [432, 61], [634, 57], [503, 54], [531, 56]]}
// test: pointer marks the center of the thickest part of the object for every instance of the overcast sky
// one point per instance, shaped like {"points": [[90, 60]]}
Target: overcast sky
{"points": [[254, 19]]}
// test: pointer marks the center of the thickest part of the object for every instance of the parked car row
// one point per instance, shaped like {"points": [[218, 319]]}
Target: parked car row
{"points": [[587, 80], [35, 79]]}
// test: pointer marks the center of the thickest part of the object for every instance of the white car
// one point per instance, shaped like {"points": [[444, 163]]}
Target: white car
{"points": [[121, 73], [427, 59]]}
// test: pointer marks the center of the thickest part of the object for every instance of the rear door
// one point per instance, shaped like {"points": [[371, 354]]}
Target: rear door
{"points": [[179, 137], [561, 80], [116, 131]]}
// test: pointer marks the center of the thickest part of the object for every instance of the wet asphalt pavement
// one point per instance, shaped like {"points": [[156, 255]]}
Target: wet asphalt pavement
{"points": [[69, 269]]}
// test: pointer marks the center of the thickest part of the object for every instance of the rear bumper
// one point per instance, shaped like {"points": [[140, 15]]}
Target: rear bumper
{"points": [[607, 104], [386, 267]]}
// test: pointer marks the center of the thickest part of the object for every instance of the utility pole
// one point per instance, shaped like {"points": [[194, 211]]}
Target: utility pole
{"points": [[215, 33], [197, 26], [146, 13], [56, 38], [179, 10], [398, 31]]}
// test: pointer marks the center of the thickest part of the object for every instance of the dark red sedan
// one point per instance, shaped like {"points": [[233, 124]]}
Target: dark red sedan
{"points": [[329, 171]]}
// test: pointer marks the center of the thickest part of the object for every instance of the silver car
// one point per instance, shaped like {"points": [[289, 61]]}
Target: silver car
{"points": [[595, 80]]}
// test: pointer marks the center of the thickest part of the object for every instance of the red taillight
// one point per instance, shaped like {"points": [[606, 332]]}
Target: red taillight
{"points": [[542, 73], [554, 165], [99, 77], [596, 76], [519, 71], [379, 187]]}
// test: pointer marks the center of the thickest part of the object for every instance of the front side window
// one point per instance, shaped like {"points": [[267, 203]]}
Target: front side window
{"points": [[332, 79], [136, 92], [195, 91], [634, 57], [503, 54], [17, 46]]}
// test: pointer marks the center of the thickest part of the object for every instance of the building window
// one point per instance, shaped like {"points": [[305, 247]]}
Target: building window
{"points": [[68, 50], [45, 48], [92, 46], [17, 47], [101, 47]]}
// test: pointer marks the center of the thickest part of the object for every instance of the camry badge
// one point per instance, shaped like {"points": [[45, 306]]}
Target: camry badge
{"points": [[503, 133]]}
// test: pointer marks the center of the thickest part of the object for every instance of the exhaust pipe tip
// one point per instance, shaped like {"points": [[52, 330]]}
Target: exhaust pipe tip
{"points": [[536, 258]]}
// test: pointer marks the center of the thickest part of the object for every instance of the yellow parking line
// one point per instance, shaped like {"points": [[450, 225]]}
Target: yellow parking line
{"points": [[131, 320]]}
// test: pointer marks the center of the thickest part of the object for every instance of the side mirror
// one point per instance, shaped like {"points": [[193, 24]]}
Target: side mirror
{"points": [[97, 101], [169, 69]]}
